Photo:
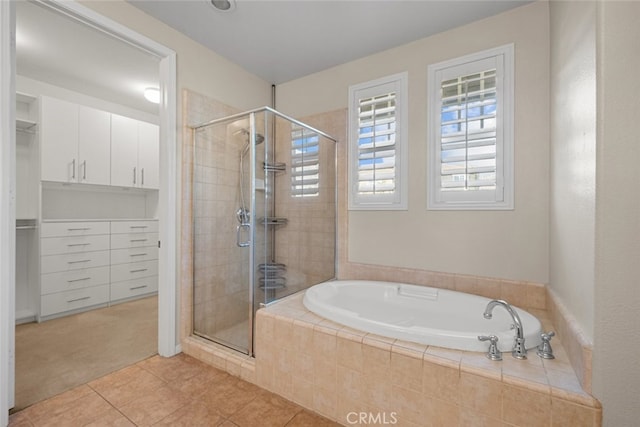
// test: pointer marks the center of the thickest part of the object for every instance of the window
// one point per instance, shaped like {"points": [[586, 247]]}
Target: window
{"points": [[378, 144], [470, 139], [305, 162]]}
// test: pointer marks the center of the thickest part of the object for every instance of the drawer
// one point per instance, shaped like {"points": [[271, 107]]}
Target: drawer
{"points": [[68, 245], [121, 227], [133, 270], [133, 240], [73, 300], [77, 279], [64, 229], [122, 256], [75, 261], [132, 288]]}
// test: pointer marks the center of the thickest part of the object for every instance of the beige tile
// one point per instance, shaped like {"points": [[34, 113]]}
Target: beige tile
{"points": [[303, 392], [194, 413], [441, 382], [325, 375], [443, 356], [470, 418], [179, 367], [229, 395], [526, 408], [408, 404], [565, 413], [350, 383], [349, 351], [481, 394], [565, 385], [437, 412], [149, 408], [310, 419], [56, 405], [111, 418], [406, 370], [477, 363], [123, 386], [268, 410], [325, 401], [83, 410]]}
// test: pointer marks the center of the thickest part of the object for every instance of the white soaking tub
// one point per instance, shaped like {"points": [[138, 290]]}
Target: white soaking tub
{"points": [[420, 314]]}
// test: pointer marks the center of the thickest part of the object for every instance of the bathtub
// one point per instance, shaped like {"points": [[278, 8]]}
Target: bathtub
{"points": [[421, 314]]}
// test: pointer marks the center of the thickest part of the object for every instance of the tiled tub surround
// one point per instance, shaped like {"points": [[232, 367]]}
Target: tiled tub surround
{"points": [[335, 370]]}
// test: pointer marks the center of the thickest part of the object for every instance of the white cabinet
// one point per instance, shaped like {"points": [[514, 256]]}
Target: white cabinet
{"points": [[134, 153], [94, 263], [74, 266], [94, 146], [58, 140], [75, 142], [134, 258]]}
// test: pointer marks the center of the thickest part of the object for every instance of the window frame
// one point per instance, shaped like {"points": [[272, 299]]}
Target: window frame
{"points": [[398, 200], [502, 58]]}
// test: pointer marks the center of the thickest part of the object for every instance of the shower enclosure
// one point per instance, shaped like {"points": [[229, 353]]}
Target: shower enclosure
{"points": [[264, 218]]}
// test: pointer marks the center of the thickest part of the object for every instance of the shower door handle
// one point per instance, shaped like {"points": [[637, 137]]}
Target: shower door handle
{"points": [[239, 230]]}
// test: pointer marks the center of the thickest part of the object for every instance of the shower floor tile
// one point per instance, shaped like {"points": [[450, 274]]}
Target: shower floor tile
{"points": [[176, 391]]}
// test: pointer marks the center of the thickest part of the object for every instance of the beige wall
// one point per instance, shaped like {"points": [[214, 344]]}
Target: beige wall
{"points": [[616, 365], [573, 157], [502, 244]]}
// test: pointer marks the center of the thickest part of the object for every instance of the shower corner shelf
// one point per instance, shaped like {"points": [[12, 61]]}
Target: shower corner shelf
{"points": [[274, 167], [272, 220]]}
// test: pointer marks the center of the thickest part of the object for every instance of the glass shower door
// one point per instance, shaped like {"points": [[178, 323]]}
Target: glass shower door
{"points": [[222, 226]]}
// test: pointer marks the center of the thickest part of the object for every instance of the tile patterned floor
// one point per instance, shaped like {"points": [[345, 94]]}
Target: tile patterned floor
{"points": [[177, 391]]}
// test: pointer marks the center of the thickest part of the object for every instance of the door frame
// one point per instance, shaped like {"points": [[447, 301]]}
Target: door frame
{"points": [[168, 340]]}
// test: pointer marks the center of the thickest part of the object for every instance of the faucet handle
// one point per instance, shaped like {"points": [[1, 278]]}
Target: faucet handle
{"points": [[493, 353], [544, 350]]}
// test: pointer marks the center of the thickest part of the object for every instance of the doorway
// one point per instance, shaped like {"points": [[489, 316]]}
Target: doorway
{"points": [[167, 342]]}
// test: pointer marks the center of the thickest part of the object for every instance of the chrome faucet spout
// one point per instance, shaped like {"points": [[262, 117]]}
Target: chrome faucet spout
{"points": [[519, 349]]}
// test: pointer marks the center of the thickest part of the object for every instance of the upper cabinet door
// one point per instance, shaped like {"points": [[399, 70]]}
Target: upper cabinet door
{"points": [[94, 146], [148, 155], [124, 151], [58, 140]]}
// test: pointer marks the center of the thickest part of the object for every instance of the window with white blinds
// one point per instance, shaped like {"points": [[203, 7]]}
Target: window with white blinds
{"points": [[470, 132], [305, 162], [377, 155]]}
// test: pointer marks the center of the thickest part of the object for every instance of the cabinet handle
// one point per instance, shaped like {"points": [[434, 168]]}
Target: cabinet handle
{"points": [[142, 183], [84, 170], [76, 262], [79, 229], [138, 254], [138, 270], [78, 280], [73, 169], [134, 174], [138, 240], [78, 299], [137, 287], [78, 244], [138, 226]]}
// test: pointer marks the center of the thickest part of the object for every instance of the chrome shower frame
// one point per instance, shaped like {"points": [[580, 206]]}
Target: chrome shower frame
{"points": [[251, 114]]}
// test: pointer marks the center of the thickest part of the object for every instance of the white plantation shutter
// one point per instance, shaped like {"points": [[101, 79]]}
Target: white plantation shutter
{"points": [[377, 145], [305, 162], [377, 160], [470, 132]]}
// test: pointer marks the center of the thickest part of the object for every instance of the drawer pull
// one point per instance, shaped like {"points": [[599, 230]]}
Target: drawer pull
{"points": [[143, 254], [138, 226], [138, 240], [138, 270], [78, 244], [79, 229], [137, 287], [78, 280], [78, 299], [78, 261]]}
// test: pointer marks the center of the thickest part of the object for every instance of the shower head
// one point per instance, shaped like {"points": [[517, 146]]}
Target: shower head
{"points": [[245, 132]]}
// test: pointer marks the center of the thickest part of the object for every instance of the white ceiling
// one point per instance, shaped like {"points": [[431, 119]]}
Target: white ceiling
{"points": [[281, 40], [277, 40]]}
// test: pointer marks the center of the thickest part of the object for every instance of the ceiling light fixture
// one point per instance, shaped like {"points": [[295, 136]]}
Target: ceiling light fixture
{"points": [[223, 5], [152, 94]]}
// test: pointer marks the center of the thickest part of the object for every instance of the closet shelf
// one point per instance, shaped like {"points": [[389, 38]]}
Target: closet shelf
{"points": [[25, 224]]}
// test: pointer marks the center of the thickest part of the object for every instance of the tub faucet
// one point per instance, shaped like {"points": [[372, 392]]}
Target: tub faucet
{"points": [[519, 350]]}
